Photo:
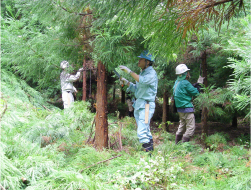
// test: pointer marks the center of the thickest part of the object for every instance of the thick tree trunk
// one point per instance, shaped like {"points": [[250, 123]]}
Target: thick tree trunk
{"points": [[204, 110], [234, 121], [165, 111], [204, 121], [101, 132], [122, 96], [114, 91], [204, 67], [84, 80]]}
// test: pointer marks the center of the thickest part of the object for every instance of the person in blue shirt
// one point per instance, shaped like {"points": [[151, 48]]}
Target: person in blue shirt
{"points": [[183, 91], [145, 91]]}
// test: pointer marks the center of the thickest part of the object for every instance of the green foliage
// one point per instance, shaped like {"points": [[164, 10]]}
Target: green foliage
{"points": [[217, 101], [213, 141], [10, 174], [241, 64], [33, 47], [244, 140]]}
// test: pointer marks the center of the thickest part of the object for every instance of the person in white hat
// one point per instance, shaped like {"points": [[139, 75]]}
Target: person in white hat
{"points": [[67, 84], [183, 91]]}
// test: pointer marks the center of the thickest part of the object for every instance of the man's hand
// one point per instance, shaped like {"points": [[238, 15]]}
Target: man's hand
{"points": [[200, 80], [81, 69], [125, 69], [123, 81]]}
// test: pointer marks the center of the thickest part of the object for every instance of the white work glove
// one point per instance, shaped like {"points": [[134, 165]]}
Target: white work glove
{"points": [[123, 81], [81, 69], [200, 80], [125, 69], [75, 90]]}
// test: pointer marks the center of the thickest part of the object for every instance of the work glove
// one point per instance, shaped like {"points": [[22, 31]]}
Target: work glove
{"points": [[123, 81], [75, 90], [198, 86], [81, 69], [200, 80], [125, 69]]}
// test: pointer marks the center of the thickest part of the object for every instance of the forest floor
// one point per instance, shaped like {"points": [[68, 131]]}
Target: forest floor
{"points": [[213, 127]]}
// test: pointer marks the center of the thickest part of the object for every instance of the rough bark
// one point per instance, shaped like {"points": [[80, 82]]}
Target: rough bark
{"points": [[114, 91], [101, 131], [204, 110], [165, 110], [122, 96], [84, 80], [204, 121], [234, 121], [204, 67]]}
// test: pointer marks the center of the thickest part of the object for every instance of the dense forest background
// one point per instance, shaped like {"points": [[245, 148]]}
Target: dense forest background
{"points": [[43, 145]]}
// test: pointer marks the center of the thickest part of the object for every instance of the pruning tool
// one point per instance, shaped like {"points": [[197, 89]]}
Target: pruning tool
{"points": [[118, 75]]}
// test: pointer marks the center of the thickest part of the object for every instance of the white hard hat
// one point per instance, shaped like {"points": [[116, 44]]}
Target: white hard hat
{"points": [[181, 68], [64, 64]]}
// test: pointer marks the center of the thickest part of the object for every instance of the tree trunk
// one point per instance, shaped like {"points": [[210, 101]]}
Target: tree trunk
{"points": [[84, 80], [101, 132], [204, 67], [204, 122], [122, 96], [114, 91], [204, 110], [164, 114], [234, 121]]}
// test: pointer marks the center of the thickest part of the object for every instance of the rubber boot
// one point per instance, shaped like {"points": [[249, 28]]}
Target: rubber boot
{"points": [[131, 114], [185, 139], [178, 138], [147, 147], [151, 142]]}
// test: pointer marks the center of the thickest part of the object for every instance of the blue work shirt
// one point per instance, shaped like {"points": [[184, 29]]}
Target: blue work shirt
{"points": [[145, 89]]}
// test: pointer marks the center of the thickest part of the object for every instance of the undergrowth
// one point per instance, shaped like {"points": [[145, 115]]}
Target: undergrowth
{"points": [[43, 147]]}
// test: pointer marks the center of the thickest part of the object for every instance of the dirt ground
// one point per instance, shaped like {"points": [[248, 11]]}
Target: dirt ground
{"points": [[214, 127]]}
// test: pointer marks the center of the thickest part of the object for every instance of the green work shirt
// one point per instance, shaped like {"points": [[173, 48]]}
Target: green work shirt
{"points": [[183, 93]]}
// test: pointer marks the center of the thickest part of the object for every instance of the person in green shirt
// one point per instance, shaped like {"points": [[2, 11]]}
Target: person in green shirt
{"points": [[183, 91]]}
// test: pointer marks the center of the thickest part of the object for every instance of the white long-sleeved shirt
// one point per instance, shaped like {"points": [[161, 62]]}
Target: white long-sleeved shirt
{"points": [[67, 81]]}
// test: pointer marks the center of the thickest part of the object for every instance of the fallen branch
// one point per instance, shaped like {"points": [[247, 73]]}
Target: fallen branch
{"points": [[94, 121], [2, 188], [120, 140], [46, 108], [4, 110], [100, 162]]}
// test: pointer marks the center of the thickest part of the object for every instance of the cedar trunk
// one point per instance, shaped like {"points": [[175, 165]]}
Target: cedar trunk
{"points": [[204, 110], [234, 121], [122, 96], [204, 121], [101, 132], [114, 91], [84, 80], [165, 111]]}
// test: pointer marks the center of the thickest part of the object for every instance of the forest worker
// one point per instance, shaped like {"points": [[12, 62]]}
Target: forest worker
{"points": [[183, 91], [67, 84], [145, 91]]}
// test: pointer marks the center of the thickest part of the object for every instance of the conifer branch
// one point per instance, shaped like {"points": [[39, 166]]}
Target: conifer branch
{"points": [[2, 188], [101, 162], [81, 14]]}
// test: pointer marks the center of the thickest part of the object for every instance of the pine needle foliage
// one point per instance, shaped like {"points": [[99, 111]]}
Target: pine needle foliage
{"points": [[217, 101], [241, 64], [33, 47]]}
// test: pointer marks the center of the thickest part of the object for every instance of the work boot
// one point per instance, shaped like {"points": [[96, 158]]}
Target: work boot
{"points": [[147, 147], [185, 139], [178, 138]]}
